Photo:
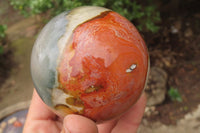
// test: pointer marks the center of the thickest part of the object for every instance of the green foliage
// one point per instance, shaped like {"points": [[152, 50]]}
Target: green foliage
{"points": [[29, 7], [174, 94], [145, 17], [2, 31], [2, 37], [64, 5], [1, 50], [20, 5]]}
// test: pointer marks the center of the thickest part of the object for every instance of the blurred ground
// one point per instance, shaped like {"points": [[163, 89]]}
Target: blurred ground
{"points": [[21, 35], [18, 87], [175, 49], [189, 124]]}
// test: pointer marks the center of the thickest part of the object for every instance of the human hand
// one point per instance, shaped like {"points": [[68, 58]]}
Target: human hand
{"points": [[41, 119]]}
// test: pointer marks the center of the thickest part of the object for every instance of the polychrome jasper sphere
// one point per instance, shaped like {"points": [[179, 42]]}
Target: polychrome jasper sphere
{"points": [[89, 61]]}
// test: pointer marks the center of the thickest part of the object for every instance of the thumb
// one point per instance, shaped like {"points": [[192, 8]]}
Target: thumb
{"points": [[78, 124]]}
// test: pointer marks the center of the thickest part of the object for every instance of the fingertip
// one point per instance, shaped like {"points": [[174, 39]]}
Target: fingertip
{"points": [[139, 107], [130, 121], [79, 124], [143, 98]]}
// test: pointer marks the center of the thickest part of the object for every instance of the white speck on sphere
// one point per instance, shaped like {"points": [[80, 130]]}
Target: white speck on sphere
{"points": [[132, 67]]}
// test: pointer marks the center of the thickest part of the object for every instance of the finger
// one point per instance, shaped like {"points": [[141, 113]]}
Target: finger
{"points": [[40, 118], [38, 110], [79, 124], [130, 121], [41, 126], [106, 127]]}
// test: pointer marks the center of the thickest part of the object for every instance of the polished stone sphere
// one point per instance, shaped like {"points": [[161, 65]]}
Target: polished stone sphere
{"points": [[89, 61]]}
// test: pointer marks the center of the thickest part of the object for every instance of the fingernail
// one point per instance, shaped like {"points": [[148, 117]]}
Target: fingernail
{"points": [[62, 131], [66, 130]]}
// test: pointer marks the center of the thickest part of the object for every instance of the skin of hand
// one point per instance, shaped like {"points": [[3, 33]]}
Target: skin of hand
{"points": [[41, 119]]}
